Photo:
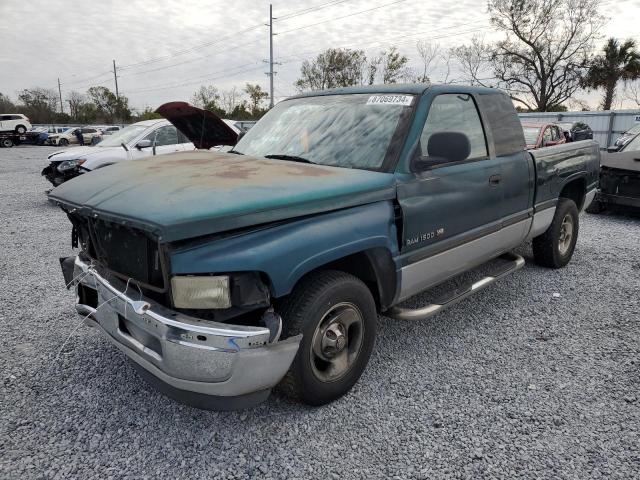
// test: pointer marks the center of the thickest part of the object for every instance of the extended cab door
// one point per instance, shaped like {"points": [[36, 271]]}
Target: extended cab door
{"points": [[452, 212]]}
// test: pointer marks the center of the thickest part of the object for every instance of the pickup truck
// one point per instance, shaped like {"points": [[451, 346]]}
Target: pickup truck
{"points": [[221, 274]]}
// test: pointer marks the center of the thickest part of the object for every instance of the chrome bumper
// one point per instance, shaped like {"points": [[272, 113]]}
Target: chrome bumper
{"points": [[186, 354]]}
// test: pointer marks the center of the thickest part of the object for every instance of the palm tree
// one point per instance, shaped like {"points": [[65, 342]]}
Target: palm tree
{"points": [[618, 62]]}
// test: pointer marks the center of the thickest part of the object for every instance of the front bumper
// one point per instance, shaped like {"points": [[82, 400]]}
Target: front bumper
{"points": [[618, 199], [202, 363], [56, 178]]}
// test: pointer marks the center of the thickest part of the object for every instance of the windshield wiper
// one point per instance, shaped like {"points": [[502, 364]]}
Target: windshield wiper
{"points": [[235, 151], [293, 158]]}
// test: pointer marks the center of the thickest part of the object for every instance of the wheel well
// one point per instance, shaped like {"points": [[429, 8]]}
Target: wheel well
{"points": [[375, 267], [575, 190]]}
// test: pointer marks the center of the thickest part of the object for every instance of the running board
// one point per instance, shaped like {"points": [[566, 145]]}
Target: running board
{"points": [[516, 262]]}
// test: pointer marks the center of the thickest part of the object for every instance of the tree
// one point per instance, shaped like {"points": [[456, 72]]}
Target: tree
{"points": [[473, 60], [545, 50], [147, 114], [6, 105], [393, 65], [618, 62], [428, 53], [75, 101], [208, 98], [109, 107], [335, 67], [39, 104], [256, 96]]}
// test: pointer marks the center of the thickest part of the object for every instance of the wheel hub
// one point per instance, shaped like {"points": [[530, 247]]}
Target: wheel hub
{"points": [[334, 340]]}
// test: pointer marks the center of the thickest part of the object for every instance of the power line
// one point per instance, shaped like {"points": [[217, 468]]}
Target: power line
{"points": [[340, 18], [315, 8]]}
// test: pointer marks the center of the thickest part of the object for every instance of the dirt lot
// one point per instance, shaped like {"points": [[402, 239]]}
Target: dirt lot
{"points": [[535, 377]]}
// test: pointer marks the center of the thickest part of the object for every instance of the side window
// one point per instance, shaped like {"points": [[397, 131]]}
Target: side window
{"points": [[167, 135], [4, 117], [182, 138], [546, 137], [455, 113]]}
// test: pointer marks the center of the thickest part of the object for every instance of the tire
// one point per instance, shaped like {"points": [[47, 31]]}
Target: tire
{"points": [[6, 143], [21, 129], [595, 207], [63, 142], [336, 313], [553, 249]]}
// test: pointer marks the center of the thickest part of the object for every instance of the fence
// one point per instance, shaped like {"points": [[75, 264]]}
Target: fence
{"points": [[606, 125]]}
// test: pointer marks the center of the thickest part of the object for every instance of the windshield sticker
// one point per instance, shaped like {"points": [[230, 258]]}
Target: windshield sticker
{"points": [[390, 100]]}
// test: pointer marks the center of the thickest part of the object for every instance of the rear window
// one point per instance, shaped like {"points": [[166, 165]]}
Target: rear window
{"points": [[503, 121], [531, 135]]}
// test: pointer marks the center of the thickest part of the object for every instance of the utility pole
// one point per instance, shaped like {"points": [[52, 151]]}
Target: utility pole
{"points": [[115, 77], [270, 56], [60, 94]]}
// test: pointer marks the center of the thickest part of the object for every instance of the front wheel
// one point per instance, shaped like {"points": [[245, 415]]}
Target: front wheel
{"points": [[554, 248], [6, 143], [336, 315], [21, 129], [63, 142]]}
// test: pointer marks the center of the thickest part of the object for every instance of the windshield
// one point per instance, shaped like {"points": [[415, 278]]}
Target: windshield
{"points": [[123, 136], [633, 145], [531, 135], [352, 131]]}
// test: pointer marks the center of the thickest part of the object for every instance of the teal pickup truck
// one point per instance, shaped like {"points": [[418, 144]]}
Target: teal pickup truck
{"points": [[221, 274]]}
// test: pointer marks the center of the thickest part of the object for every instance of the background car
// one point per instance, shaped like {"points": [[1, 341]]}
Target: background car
{"points": [[624, 138], [538, 135], [142, 139], [184, 129], [14, 122], [576, 131], [619, 178], [89, 134]]}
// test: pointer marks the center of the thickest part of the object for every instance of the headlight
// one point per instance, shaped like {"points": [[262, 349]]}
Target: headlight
{"points": [[70, 164], [201, 292]]}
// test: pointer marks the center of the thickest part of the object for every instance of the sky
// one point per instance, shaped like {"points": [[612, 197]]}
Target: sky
{"points": [[165, 49]]}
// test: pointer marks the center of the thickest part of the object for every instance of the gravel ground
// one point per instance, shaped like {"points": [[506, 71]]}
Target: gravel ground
{"points": [[535, 377]]}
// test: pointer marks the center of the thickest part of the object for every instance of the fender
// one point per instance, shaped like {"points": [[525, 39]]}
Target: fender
{"points": [[286, 252]]}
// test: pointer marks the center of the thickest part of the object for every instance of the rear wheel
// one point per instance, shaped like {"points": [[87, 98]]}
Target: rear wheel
{"points": [[554, 248], [336, 315]]}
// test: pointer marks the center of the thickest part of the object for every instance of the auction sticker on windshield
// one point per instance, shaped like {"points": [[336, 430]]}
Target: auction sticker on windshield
{"points": [[390, 100]]}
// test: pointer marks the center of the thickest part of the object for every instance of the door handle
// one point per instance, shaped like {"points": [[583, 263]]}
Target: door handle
{"points": [[494, 180]]}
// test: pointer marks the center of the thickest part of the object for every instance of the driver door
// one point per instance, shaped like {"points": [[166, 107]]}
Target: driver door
{"points": [[165, 140], [451, 211]]}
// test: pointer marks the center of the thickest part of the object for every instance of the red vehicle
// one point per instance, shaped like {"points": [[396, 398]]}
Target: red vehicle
{"points": [[538, 135]]}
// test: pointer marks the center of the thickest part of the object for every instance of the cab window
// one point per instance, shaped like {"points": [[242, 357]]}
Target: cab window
{"points": [[166, 135], [455, 113]]}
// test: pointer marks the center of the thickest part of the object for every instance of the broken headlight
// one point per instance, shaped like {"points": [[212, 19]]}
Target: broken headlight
{"points": [[201, 292], [70, 164]]}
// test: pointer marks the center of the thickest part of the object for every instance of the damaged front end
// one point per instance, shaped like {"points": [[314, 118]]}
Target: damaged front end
{"points": [[211, 341], [59, 172], [619, 187]]}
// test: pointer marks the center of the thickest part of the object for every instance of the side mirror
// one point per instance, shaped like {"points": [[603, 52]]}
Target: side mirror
{"points": [[143, 144], [443, 148]]}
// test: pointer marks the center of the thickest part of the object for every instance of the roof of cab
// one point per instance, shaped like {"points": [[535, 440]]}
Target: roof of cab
{"points": [[397, 88]]}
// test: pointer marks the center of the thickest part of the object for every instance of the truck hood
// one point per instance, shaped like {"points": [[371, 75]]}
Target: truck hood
{"points": [[204, 129], [190, 194], [621, 160]]}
